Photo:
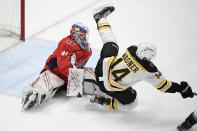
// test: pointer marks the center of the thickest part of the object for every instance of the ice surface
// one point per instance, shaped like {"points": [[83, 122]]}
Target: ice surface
{"points": [[169, 24]]}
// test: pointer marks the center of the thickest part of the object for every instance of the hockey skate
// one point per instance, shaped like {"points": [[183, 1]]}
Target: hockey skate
{"points": [[100, 100], [184, 126], [35, 99], [30, 101], [103, 12]]}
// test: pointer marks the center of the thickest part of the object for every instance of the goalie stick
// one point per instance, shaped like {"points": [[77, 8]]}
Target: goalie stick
{"points": [[75, 80]]}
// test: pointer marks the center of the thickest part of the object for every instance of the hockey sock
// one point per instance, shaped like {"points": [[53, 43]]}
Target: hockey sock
{"points": [[105, 31]]}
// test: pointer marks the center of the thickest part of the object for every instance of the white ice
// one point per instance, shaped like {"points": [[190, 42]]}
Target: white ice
{"points": [[169, 24]]}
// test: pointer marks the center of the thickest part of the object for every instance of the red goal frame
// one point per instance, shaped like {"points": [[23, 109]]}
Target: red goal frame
{"points": [[22, 35]]}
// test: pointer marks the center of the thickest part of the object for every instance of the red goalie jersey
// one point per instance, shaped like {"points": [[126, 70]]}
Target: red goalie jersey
{"points": [[67, 55]]}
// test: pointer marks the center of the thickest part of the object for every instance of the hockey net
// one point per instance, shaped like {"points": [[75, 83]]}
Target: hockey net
{"points": [[12, 18]]}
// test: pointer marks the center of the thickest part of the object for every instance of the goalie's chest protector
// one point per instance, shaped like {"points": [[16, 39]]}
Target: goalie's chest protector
{"points": [[120, 73]]}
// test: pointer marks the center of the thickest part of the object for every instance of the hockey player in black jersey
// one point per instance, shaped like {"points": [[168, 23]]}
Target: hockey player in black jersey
{"points": [[116, 75]]}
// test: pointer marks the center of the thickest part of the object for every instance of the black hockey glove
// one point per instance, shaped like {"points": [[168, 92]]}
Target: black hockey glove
{"points": [[185, 90]]}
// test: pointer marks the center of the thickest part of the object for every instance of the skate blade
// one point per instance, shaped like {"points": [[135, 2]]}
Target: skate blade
{"points": [[94, 11], [179, 128]]}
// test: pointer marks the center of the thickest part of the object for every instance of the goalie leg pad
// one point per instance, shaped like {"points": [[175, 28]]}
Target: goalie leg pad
{"points": [[43, 88], [47, 81]]}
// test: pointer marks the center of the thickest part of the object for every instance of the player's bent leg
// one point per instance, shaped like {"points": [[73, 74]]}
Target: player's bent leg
{"points": [[124, 97], [127, 107], [126, 100], [105, 31], [109, 49], [42, 89], [103, 26]]}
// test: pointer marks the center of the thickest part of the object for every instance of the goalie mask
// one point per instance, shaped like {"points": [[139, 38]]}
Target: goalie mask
{"points": [[79, 33], [146, 50]]}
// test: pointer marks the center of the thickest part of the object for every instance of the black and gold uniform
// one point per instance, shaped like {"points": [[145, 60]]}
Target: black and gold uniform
{"points": [[116, 75]]}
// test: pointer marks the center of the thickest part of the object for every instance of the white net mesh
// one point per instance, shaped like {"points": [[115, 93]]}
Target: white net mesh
{"points": [[10, 17]]}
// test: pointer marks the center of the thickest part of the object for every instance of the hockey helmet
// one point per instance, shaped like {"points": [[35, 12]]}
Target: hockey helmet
{"points": [[146, 50], [79, 33]]}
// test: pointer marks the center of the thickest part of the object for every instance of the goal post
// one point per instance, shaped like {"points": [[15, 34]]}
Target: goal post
{"points": [[22, 36], [12, 18]]}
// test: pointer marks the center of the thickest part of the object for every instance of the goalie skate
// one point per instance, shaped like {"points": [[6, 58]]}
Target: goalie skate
{"points": [[34, 99], [30, 101], [103, 12]]}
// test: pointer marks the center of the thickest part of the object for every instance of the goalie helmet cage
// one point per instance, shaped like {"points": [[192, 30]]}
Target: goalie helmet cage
{"points": [[12, 18]]}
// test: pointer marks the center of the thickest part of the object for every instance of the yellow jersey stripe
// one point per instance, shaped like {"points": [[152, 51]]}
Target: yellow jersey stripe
{"points": [[110, 105], [160, 84], [108, 66], [119, 86], [165, 87], [105, 27], [116, 104], [104, 23], [114, 61], [135, 61], [109, 76]]}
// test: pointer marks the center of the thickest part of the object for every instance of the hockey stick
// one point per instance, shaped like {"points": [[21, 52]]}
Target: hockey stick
{"points": [[75, 79], [195, 93]]}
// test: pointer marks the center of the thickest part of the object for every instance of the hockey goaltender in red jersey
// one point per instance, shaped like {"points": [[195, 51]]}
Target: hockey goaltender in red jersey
{"points": [[69, 54], [73, 51]]}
